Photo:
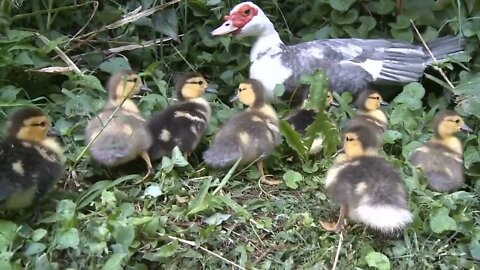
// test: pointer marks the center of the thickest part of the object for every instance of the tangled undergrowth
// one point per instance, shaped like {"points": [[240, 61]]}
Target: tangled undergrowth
{"points": [[190, 216]]}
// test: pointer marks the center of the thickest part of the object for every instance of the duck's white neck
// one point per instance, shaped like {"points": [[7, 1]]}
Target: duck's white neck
{"points": [[267, 42]]}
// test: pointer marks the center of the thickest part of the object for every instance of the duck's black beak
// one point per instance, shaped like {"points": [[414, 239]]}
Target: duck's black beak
{"points": [[144, 89], [211, 90], [53, 132], [384, 103], [234, 98], [466, 128], [334, 104]]}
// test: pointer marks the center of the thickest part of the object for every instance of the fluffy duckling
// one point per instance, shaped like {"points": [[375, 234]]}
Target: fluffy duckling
{"points": [[30, 162], [251, 135], [441, 158], [369, 114], [302, 118], [182, 124], [124, 136], [366, 186]]}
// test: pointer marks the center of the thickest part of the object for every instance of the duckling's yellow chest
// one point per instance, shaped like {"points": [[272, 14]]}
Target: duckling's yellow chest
{"points": [[379, 117]]}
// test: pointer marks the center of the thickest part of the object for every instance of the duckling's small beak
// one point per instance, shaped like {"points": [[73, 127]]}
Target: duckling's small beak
{"points": [[384, 103], [211, 90], [53, 132], [234, 98], [466, 128], [226, 28], [340, 151], [145, 89], [334, 104]]}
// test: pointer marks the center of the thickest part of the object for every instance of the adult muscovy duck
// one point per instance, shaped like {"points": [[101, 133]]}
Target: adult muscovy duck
{"points": [[350, 64]]}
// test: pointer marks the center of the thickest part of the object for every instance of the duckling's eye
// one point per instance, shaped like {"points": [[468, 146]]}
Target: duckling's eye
{"points": [[41, 124], [457, 121], [241, 89], [134, 80], [349, 139], [246, 11], [200, 82]]}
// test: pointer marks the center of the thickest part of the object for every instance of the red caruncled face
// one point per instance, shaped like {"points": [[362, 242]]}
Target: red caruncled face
{"points": [[242, 16]]}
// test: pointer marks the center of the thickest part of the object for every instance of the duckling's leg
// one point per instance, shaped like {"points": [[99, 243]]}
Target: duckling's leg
{"points": [[150, 171], [336, 227], [271, 182]]}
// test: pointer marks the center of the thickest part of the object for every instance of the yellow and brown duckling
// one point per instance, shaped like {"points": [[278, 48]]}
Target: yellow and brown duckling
{"points": [[366, 186], [368, 113], [441, 158], [302, 118], [30, 161], [124, 136], [251, 135], [182, 124]]}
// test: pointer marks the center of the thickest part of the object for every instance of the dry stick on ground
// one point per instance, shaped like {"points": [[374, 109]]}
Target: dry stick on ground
{"points": [[268, 250], [137, 46], [62, 55], [436, 67], [131, 17], [193, 244], [340, 242]]}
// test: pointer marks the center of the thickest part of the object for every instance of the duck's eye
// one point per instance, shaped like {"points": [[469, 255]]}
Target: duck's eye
{"points": [[246, 11], [457, 121], [348, 139], [200, 82]]}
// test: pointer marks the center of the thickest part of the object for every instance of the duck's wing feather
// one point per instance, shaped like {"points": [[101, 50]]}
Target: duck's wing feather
{"points": [[352, 64]]}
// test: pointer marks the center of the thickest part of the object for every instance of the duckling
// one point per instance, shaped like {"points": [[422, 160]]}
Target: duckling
{"points": [[366, 186], [30, 161], [120, 133], [251, 135], [182, 124], [369, 114], [441, 158], [302, 118]]}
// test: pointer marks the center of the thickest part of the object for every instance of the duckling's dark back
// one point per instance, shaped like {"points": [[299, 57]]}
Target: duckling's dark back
{"points": [[125, 137], [180, 125], [245, 135], [443, 167], [369, 176], [27, 171]]}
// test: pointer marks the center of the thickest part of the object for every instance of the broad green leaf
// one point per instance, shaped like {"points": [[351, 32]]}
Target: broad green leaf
{"points": [[440, 221], [381, 7], [9, 93], [411, 96], [38, 234], [293, 138], [318, 90], [391, 136], [468, 99], [177, 158], [217, 219], [66, 210], [472, 155], [278, 90], [348, 17], [124, 235], [402, 115], [166, 22], [68, 238], [17, 35], [195, 205], [378, 260], [115, 64], [153, 191], [402, 34], [90, 82], [5, 265], [323, 126], [114, 262], [341, 5], [34, 248], [7, 233], [167, 250], [292, 178]]}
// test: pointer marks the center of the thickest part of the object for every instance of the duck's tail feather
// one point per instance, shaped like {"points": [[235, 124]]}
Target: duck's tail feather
{"points": [[384, 218], [441, 182], [443, 48], [222, 153]]}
